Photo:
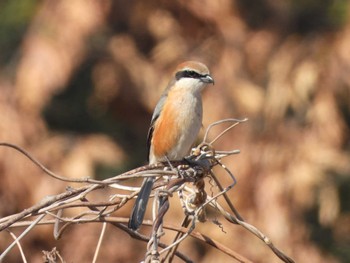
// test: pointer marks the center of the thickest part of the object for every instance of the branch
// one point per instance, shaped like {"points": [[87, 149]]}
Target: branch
{"points": [[187, 178]]}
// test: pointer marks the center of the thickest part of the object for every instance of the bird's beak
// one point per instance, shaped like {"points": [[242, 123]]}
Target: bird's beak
{"points": [[207, 79]]}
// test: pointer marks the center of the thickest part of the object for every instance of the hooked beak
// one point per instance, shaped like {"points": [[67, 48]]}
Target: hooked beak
{"points": [[207, 79]]}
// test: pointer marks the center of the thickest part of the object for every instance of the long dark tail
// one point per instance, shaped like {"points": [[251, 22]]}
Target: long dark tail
{"points": [[139, 209]]}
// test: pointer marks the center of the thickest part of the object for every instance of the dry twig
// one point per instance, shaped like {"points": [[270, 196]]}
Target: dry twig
{"points": [[187, 178]]}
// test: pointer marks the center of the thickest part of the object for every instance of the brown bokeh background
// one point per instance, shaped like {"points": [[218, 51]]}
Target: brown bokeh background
{"points": [[79, 80]]}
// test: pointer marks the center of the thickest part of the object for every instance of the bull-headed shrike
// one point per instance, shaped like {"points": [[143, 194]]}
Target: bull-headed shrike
{"points": [[174, 127]]}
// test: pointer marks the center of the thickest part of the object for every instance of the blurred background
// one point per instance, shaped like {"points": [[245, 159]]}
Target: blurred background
{"points": [[79, 81]]}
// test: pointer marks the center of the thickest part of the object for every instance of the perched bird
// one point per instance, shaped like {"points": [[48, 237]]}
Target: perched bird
{"points": [[174, 127]]}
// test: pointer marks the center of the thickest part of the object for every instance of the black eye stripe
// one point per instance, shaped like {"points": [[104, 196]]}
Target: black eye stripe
{"points": [[188, 74]]}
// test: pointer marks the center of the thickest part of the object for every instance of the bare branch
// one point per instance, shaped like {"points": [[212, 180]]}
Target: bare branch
{"points": [[185, 178]]}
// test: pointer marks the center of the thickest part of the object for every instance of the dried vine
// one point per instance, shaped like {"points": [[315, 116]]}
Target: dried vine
{"points": [[185, 178]]}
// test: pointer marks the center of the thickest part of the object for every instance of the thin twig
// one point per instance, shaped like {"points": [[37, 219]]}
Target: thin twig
{"points": [[236, 121], [103, 231], [19, 246], [8, 249]]}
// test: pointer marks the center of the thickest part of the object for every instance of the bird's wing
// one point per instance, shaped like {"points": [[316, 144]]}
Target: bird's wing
{"points": [[158, 109]]}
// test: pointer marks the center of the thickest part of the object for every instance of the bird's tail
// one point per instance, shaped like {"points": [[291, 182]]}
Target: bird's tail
{"points": [[139, 209]]}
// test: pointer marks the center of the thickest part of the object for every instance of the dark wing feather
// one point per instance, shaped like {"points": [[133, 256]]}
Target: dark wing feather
{"points": [[149, 139], [155, 116]]}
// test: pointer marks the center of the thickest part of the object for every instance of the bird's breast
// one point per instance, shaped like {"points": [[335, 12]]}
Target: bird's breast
{"points": [[177, 128]]}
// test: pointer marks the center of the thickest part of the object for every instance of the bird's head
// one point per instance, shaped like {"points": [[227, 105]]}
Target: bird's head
{"points": [[192, 75]]}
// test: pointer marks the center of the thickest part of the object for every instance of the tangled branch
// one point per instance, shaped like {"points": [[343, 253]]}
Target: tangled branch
{"points": [[185, 178]]}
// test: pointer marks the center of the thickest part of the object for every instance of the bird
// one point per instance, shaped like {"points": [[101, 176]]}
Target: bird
{"points": [[175, 124]]}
